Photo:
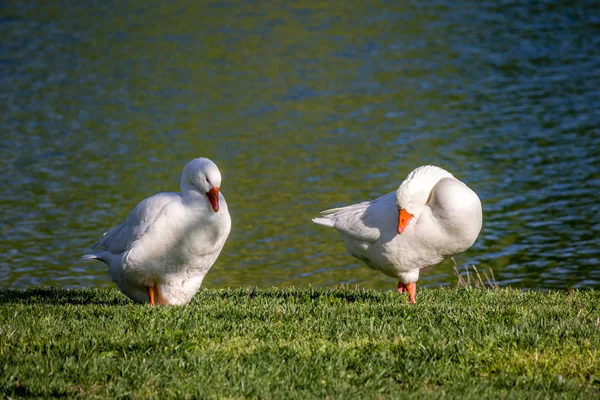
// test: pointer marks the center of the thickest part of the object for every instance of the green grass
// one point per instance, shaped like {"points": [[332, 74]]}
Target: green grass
{"points": [[301, 343]]}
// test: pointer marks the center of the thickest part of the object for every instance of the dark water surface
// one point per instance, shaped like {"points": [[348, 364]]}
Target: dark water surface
{"points": [[304, 106]]}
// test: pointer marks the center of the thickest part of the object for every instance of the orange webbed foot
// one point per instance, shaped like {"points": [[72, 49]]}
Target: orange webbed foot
{"points": [[411, 288], [401, 287]]}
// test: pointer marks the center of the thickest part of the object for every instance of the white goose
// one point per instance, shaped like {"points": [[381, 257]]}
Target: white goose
{"points": [[430, 217], [169, 241]]}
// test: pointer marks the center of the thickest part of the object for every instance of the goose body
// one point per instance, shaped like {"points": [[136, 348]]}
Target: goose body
{"points": [[430, 217], [169, 241]]}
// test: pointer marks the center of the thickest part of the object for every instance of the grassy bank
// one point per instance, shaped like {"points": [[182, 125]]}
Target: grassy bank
{"points": [[301, 343]]}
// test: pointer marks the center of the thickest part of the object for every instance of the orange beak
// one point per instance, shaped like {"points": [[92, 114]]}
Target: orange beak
{"points": [[213, 197], [404, 218]]}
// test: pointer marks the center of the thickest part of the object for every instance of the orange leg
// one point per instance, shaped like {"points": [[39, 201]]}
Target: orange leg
{"points": [[151, 293], [401, 287], [412, 292]]}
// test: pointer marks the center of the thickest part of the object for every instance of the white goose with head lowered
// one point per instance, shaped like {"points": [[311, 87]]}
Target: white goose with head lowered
{"points": [[169, 241], [431, 216]]}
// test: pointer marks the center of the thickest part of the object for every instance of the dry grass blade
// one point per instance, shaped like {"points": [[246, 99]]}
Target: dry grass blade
{"points": [[494, 279], [476, 280], [487, 279], [461, 281]]}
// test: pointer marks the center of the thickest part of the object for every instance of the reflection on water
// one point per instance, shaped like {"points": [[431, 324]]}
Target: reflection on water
{"points": [[304, 106]]}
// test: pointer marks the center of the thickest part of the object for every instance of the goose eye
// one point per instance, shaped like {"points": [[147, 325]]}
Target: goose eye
{"points": [[207, 180]]}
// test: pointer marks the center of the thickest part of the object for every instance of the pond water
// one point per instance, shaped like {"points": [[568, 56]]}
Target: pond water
{"points": [[304, 106]]}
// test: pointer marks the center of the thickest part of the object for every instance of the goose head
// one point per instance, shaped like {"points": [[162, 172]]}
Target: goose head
{"points": [[203, 176], [414, 193]]}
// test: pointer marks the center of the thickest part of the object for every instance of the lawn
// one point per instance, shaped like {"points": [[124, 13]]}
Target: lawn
{"points": [[301, 343]]}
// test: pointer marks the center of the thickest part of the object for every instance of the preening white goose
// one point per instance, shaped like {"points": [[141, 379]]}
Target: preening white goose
{"points": [[431, 216], [169, 241]]}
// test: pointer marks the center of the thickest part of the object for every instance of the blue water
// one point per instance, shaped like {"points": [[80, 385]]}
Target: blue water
{"points": [[304, 107]]}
